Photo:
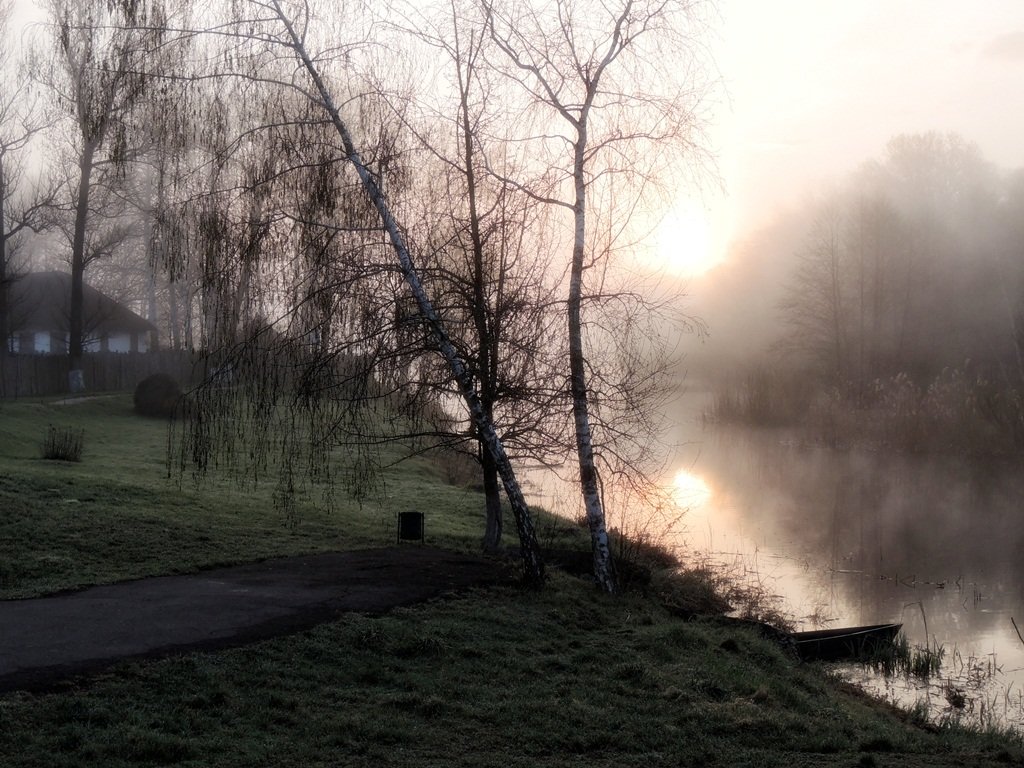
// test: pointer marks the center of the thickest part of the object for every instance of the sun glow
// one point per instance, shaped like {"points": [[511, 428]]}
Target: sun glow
{"points": [[689, 490], [683, 241]]}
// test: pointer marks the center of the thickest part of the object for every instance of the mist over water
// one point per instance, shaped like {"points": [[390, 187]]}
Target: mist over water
{"points": [[850, 537]]}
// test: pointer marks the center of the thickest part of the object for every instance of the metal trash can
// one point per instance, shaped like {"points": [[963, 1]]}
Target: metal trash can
{"points": [[410, 526]]}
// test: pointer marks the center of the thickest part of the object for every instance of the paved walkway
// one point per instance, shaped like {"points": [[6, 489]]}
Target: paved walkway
{"points": [[44, 640]]}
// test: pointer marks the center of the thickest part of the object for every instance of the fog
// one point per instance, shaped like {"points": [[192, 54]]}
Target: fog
{"points": [[859, 268], [811, 93], [816, 88]]}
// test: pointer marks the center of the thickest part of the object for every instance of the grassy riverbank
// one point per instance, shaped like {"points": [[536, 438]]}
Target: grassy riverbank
{"points": [[496, 677]]}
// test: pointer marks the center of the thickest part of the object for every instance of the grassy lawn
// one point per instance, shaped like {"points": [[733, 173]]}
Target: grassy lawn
{"points": [[498, 677], [118, 514]]}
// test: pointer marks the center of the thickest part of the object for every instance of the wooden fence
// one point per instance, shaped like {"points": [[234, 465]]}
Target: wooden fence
{"points": [[47, 375]]}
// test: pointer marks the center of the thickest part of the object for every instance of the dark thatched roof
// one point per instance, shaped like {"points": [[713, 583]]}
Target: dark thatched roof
{"points": [[40, 301]]}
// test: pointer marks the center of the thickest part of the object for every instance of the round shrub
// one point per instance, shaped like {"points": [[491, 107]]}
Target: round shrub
{"points": [[157, 395]]}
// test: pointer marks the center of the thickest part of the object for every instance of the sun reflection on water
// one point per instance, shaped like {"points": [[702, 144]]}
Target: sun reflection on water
{"points": [[689, 490]]}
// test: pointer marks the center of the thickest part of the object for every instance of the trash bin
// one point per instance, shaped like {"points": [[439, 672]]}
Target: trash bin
{"points": [[410, 526]]}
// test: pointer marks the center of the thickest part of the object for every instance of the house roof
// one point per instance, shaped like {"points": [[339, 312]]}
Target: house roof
{"points": [[40, 301]]}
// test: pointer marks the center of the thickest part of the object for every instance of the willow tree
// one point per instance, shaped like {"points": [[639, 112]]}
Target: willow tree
{"points": [[319, 240], [613, 91]]}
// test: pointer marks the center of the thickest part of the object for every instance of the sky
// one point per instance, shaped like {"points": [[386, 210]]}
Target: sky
{"points": [[812, 88], [815, 87]]}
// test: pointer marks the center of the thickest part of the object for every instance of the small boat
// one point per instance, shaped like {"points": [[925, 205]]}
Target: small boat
{"points": [[844, 643]]}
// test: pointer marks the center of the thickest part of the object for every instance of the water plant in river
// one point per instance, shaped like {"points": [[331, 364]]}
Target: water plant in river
{"points": [[900, 658]]}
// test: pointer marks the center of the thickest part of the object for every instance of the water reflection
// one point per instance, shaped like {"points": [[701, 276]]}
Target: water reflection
{"points": [[857, 537], [689, 490]]}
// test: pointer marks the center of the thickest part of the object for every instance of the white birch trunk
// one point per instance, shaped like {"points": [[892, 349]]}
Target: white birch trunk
{"points": [[604, 565], [530, 550]]}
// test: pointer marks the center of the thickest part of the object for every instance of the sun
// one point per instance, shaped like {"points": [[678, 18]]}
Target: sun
{"points": [[683, 241]]}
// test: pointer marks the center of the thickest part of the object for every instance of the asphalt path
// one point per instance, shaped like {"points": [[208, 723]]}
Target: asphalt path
{"points": [[46, 640]]}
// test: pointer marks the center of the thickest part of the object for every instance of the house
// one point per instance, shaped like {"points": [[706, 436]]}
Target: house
{"points": [[39, 305]]}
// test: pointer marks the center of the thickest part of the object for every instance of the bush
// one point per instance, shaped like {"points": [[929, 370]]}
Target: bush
{"points": [[157, 395], [63, 444]]}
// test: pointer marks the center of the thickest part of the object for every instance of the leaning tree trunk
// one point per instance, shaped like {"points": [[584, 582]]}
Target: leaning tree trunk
{"points": [[529, 548]]}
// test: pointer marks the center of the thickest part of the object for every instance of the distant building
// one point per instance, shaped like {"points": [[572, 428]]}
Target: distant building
{"points": [[39, 318]]}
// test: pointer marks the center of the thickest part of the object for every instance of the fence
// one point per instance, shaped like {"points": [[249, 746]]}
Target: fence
{"points": [[47, 375]]}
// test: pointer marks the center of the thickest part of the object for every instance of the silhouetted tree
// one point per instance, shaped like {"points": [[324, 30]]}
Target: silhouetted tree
{"points": [[486, 259], [610, 112], [24, 201], [103, 60], [817, 304]]}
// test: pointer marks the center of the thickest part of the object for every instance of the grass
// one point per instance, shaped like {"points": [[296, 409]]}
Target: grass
{"points": [[900, 658], [62, 444], [120, 514], [497, 677]]}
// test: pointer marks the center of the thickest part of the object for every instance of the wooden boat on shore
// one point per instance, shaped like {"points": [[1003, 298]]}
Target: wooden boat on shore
{"points": [[844, 643]]}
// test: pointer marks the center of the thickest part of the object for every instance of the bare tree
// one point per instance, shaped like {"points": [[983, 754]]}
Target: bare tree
{"points": [[892, 264], [104, 54], [485, 258], [816, 305], [23, 200], [609, 112]]}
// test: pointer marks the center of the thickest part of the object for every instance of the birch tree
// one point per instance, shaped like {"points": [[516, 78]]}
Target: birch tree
{"points": [[614, 104]]}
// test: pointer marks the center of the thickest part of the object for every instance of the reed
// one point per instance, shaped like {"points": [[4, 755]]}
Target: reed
{"points": [[957, 411], [900, 658]]}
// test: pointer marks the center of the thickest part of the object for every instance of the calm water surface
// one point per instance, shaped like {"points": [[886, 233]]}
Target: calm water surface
{"points": [[859, 537]]}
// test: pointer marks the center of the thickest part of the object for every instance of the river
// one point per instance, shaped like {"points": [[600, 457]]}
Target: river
{"points": [[855, 537]]}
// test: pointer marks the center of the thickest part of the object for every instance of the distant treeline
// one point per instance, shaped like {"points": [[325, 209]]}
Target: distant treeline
{"points": [[959, 411], [903, 315]]}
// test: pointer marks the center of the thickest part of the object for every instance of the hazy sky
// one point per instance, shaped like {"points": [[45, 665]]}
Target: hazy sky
{"points": [[817, 86]]}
